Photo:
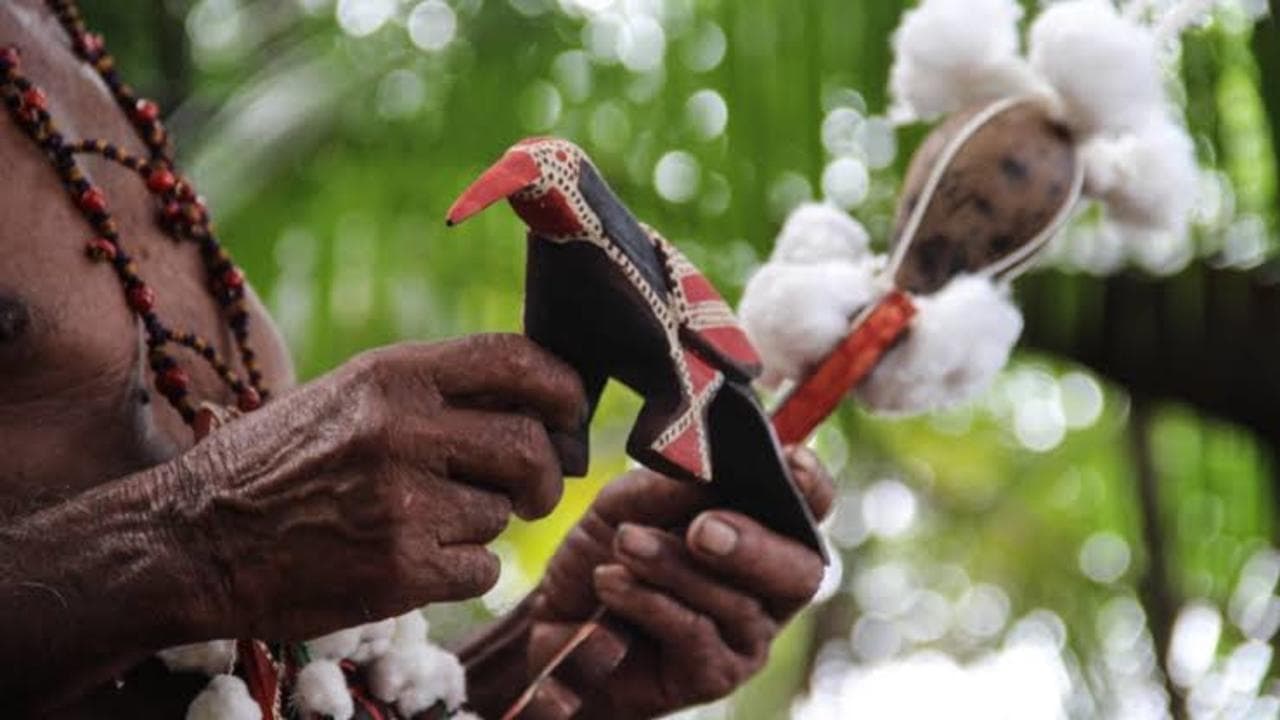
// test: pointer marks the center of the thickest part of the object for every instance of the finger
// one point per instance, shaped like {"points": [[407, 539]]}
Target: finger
{"points": [[515, 368], [509, 453], [590, 663], [664, 619], [812, 478], [562, 593], [660, 559], [451, 574], [777, 569], [463, 514], [645, 497]]}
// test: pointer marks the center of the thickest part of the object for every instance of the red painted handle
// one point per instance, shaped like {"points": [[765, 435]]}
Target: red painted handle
{"points": [[814, 399]]}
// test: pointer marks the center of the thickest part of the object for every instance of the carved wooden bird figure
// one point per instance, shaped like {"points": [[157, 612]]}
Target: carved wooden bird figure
{"points": [[615, 299]]}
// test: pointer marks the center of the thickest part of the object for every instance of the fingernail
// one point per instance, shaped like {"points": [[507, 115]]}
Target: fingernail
{"points": [[610, 578], [638, 542], [611, 649], [601, 654], [553, 700], [714, 536]]}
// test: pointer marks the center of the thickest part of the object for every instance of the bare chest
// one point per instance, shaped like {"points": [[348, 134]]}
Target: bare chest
{"points": [[77, 403]]}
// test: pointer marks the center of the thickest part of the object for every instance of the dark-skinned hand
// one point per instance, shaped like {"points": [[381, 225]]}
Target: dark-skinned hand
{"points": [[695, 597], [375, 489]]}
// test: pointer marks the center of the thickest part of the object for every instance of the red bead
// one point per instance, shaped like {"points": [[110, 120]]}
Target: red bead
{"points": [[173, 381], [249, 400], [204, 423], [146, 111], [185, 191], [102, 249], [161, 181], [93, 201], [173, 211], [233, 278], [35, 98], [89, 44], [194, 213], [11, 57], [142, 299]]}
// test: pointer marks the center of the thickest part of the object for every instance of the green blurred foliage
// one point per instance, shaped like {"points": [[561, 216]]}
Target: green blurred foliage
{"points": [[330, 161]]}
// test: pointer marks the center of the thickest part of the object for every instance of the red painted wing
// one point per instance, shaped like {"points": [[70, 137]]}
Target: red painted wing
{"points": [[707, 323]]}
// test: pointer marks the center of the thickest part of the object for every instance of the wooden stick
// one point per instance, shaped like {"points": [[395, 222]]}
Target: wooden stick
{"points": [[573, 643], [814, 399]]}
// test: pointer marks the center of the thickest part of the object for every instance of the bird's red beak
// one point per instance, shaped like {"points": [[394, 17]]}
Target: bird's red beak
{"points": [[516, 171]]}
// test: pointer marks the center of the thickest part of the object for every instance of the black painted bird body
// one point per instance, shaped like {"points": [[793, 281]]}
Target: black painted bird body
{"points": [[614, 299]]}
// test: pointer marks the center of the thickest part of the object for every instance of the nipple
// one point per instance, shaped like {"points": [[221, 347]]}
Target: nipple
{"points": [[14, 319]]}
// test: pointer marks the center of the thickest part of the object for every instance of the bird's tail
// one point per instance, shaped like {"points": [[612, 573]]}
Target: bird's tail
{"points": [[721, 432], [676, 441]]}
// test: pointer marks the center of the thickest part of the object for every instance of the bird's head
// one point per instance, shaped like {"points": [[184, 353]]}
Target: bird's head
{"points": [[540, 177]]}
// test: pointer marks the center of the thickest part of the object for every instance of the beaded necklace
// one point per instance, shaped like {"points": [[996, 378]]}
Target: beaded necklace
{"points": [[181, 213]]}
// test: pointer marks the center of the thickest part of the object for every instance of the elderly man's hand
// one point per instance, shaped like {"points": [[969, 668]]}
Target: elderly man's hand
{"points": [[375, 489], [699, 597]]}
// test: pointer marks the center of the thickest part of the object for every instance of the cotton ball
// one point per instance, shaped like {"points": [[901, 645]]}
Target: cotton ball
{"points": [[1103, 67], [321, 689], [415, 677], [211, 658], [1149, 178], [949, 54], [961, 338], [445, 680], [225, 698], [796, 314], [411, 629], [375, 640], [817, 232], [338, 645], [389, 674]]}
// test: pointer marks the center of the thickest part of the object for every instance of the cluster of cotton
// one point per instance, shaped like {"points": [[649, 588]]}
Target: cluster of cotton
{"points": [[404, 669], [798, 306], [821, 275], [960, 340], [949, 54], [1097, 68], [225, 698]]}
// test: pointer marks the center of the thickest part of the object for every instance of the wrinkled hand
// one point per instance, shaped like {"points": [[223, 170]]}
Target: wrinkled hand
{"points": [[374, 490], [699, 608]]}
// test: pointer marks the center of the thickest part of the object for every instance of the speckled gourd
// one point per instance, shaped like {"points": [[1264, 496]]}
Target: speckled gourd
{"points": [[984, 194]]}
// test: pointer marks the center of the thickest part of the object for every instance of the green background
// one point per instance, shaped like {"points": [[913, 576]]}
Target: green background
{"points": [[329, 161]]}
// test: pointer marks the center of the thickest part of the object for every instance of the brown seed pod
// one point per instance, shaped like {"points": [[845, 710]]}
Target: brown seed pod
{"points": [[984, 194]]}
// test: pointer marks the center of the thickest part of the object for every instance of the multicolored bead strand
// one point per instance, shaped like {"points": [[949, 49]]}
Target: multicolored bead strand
{"points": [[180, 212]]}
